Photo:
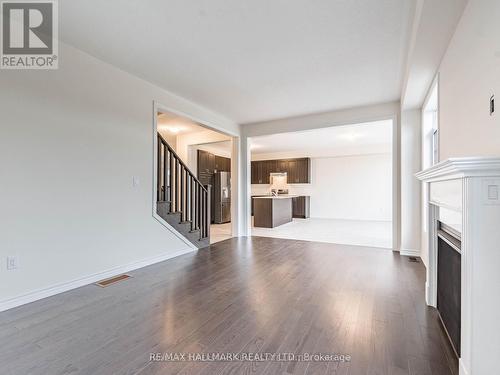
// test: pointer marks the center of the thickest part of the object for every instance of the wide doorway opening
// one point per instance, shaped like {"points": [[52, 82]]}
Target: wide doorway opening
{"points": [[193, 189], [330, 185]]}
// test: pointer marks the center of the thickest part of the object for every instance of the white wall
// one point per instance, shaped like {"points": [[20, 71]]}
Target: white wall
{"points": [[353, 187], [469, 74], [168, 136], [410, 187], [71, 141]]}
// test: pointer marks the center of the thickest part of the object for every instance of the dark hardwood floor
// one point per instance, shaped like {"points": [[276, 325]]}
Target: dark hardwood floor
{"points": [[243, 295]]}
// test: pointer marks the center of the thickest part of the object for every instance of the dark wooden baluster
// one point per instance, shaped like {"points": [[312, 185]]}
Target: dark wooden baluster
{"points": [[193, 195], [207, 213], [159, 179], [205, 216], [197, 206], [188, 195], [164, 173], [205, 226], [171, 182], [176, 184], [183, 208], [202, 219]]}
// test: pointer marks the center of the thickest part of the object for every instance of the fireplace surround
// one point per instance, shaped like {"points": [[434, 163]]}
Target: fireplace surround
{"points": [[463, 197]]}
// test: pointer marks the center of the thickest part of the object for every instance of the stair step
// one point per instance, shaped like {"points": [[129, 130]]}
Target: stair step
{"points": [[183, 227], [204, 242], [175, 213]]}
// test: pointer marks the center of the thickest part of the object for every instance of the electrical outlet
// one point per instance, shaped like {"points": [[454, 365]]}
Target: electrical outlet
{"points": [[12, 262]]}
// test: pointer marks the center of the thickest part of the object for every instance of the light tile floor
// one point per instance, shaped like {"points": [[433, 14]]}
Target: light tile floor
{"points": [[220, 232], [346, 232]]}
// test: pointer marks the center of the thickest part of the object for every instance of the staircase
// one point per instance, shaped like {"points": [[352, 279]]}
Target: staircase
{"points": [[182, 200]]}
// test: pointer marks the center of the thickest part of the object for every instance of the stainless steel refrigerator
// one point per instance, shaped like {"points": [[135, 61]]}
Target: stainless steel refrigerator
{"points": [[222, 197]]}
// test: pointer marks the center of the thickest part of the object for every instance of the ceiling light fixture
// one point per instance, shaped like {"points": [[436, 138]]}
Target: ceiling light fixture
{"points": [[350, 136], [172, 129]]}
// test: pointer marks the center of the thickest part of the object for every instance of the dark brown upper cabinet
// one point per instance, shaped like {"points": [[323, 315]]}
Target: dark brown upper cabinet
{"points": [[258, 173], [208, 164], [298, 170], [281, 166], [303, 171], [222, 164]]}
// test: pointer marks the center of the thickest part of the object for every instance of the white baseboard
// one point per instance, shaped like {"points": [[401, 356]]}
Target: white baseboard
{"points": [[77, 283], [410, 252], [427, 294], [461, 368]]}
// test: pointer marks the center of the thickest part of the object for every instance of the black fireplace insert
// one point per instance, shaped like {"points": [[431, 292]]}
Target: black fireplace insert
{"points": [[449, 282]]}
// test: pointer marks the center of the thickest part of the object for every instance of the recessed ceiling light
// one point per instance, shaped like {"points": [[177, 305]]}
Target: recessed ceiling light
{"points": [[350, 136], [172, 129]]}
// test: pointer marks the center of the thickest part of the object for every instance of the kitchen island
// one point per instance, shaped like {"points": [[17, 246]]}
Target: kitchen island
{"points": [[272, 211]]}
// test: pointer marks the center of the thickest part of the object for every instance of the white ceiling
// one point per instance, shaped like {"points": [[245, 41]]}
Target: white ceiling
{"points": [[251, 60], [174, 124], [358, 139], [223, 148]]}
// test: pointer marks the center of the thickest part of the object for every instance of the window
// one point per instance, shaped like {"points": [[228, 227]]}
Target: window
{"points": [[430, 140], [430, 129]]}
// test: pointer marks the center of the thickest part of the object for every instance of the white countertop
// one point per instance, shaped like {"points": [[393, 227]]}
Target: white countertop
{"points": [[282, 196]]}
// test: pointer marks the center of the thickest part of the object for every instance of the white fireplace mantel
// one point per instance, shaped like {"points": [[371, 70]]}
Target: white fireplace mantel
{"points": [[470, 189]]}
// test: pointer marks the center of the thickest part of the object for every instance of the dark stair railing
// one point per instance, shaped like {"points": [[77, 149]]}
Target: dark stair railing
{"points": [[186, 194]]}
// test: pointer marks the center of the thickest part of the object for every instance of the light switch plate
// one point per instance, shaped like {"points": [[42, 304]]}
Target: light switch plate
{"points": [[491, 191], [12, 262], [136, 181]]}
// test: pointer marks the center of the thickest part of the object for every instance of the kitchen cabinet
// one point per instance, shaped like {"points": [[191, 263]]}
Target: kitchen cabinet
{"points": [[260, 171], [281, 166], [303, 171], [222, 164], [301, 207], [256, 172], [208, 164], [298, 170], [270, 212], [269, 167]]}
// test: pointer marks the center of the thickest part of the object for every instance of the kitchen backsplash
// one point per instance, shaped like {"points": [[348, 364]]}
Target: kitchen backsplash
{"points": [[294, 189]]}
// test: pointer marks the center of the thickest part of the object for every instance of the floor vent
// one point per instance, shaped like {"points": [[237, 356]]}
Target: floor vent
{"points": [[115, 279], [413, 259]]}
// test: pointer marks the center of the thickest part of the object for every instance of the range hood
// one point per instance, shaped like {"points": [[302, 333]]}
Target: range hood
{"points": [[278, 180]]}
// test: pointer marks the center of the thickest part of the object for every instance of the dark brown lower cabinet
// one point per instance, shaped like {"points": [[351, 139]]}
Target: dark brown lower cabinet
{"points": [[301, 207], [271, 212]]}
